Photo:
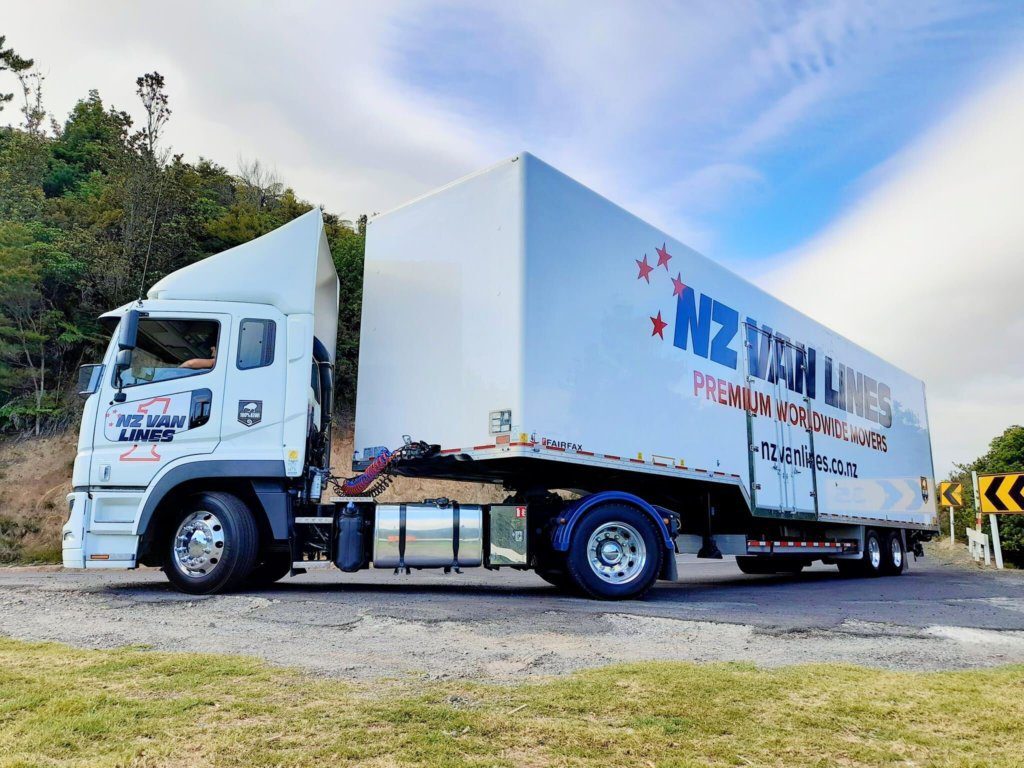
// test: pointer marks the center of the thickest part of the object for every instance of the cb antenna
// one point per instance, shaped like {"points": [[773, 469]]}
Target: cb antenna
{"points": [[149, 245]]}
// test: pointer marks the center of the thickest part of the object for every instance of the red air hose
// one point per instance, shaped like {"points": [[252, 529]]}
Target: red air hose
{"points": [[358, 484]]}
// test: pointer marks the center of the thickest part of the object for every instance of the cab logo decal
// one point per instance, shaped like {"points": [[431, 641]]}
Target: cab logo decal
{"points": [[250, 412], [145, 423]]}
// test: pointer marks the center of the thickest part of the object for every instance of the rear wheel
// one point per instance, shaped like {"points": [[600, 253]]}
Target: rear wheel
{"points": [[212, 544], [895, 560], [871, 560], [552, 569], [874, 554], [559, 579], [615, 553]]}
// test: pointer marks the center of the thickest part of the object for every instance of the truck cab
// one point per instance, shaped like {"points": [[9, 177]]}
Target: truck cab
{"points": [[214, 388]]}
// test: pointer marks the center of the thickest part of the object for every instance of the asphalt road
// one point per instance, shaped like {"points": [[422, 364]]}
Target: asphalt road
{"points": [[508, 624]]}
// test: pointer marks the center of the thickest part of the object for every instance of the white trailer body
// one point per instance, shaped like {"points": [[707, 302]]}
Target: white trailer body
{"points": [[537, 320]]}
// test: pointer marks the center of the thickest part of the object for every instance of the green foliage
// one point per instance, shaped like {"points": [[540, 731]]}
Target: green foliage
{"points": [[90, 207], [1005, 454], [11, 62]]}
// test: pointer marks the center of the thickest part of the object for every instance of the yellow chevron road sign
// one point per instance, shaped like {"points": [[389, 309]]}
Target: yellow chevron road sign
{"points": [[951, 494], [1003, 493]]}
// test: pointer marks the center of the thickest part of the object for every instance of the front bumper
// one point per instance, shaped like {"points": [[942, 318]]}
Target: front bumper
{"points": [[99, 532], [73, 533]]}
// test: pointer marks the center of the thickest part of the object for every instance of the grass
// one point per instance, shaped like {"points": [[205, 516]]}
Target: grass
{"points": [[133, 707]]}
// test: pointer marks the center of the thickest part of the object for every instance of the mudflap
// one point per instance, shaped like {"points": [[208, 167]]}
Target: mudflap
{"points": [[669, 568]]}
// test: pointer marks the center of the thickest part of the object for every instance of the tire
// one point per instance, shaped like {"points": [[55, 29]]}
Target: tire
{"points": [[759, 566], [552, 569], [271, 567], [872, 560], [211, 544], [894, 561], [559, 579], [615, 553]]}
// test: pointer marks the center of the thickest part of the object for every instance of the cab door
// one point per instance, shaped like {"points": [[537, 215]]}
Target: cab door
{"points": [[173, 397]]}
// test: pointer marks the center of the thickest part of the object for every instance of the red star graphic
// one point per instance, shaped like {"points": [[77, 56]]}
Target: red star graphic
{"points": [[663, 256], [678, 286], [659, 326], [645, 269]]}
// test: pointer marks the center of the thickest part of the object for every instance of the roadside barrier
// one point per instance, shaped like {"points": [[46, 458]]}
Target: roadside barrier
{"points": [[977, 542]]}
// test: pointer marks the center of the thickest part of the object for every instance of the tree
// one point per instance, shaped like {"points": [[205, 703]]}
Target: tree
{"points": [[1005, 454], [30, 324], [32, 108], [11, 62], [259, 186], [150, 88]]}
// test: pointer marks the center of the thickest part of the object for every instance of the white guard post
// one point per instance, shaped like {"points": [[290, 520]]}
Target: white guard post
{"points": [[993, 521], [977, 542]]}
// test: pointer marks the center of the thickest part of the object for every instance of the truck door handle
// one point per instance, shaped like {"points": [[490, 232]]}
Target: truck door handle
{"points": [[199, 410]]}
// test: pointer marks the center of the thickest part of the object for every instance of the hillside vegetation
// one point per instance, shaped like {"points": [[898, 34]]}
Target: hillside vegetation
{"points": [[94, 209]]}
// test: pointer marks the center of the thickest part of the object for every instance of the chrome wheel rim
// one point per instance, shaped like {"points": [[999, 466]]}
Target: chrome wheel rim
{"points": [[199, 544], [616, 553], [874, 553], [897, 554]]}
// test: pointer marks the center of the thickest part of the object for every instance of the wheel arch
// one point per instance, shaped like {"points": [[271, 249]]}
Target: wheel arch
{"points": [[261, 485], [561, 536]]}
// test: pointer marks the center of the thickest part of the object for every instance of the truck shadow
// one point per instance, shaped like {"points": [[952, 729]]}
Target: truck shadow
{"points": [[473, 588]]}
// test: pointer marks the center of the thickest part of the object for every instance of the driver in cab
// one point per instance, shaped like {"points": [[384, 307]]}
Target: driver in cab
{"points": [[202, 363]]}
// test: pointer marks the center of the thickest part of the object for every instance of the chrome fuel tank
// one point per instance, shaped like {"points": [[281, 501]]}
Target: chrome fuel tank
{"points": [[428, 535]]}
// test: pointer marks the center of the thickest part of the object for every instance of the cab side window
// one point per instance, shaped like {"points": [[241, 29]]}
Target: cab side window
{"points": [[172, 349], [256, 343]]}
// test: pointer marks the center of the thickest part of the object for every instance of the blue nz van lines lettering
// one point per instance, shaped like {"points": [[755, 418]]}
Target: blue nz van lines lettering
{"points": [[774, 357], [145, 428]]}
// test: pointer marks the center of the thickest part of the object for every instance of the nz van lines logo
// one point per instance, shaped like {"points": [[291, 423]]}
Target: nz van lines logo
{"points": [[710, 329], [250, 412], [146, 423]]}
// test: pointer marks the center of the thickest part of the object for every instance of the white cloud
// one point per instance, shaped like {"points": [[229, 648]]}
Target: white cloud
{"points": [[928, 269]]}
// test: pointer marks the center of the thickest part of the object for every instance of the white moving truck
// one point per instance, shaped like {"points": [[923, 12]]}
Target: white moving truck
{"points": [[634, 398]]}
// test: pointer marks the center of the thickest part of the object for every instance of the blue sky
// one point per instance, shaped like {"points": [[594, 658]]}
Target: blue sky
{"points": [[753, 143], [870, 148]]}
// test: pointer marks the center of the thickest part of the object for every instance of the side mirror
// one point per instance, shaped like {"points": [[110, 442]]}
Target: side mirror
{"points": [[89, 378], [129, 331], [122, 363]]}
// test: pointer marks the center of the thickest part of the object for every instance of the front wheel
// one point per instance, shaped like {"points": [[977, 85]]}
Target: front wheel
{"points": [[212, 544], [615, 553]]}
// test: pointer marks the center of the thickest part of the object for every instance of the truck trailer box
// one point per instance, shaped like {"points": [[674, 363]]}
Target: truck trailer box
{"points": [[515, 315]]}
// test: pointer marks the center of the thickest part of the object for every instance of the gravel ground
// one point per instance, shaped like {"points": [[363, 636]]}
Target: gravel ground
{"points": [[507, 625]]}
